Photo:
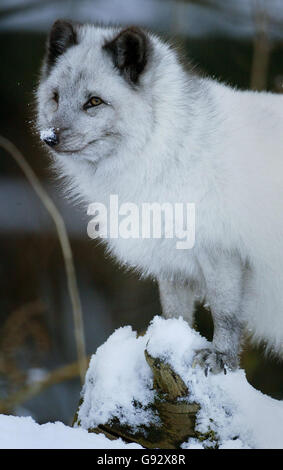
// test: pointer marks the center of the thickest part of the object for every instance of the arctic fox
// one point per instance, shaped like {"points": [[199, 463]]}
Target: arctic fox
{"points": [[128, 119]]}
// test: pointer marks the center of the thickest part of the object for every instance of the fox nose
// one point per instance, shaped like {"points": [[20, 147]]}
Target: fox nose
{"points": [[52, 139]]}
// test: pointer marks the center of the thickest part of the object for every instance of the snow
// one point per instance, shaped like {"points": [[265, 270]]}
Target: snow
{"points": [[24, 433], [118, 376], [36, 375], [47, 134], [119, 383]]}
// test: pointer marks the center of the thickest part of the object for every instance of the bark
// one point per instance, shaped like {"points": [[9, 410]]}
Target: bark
{"points": [[177, 415]]}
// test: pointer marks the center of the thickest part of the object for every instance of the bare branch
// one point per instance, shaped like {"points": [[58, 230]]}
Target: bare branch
{"points": [[262, 48], [65, 245], [57, 376]]}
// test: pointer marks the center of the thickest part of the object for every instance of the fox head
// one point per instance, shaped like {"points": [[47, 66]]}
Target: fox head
{"points": [[107, 89], [94, 94]]}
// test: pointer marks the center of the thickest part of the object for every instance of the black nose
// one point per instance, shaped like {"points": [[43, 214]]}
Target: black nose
{"points": [[52, 139]]}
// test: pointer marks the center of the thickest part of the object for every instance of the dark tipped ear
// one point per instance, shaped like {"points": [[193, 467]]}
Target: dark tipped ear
{"points": [[61, 37], [129, 51]]}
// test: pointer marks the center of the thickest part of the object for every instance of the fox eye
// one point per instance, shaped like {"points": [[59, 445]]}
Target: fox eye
{"points": [[93, 101]]}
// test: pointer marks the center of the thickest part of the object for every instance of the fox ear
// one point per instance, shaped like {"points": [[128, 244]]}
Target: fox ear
{"points": [[61, 37], [129, 51]]}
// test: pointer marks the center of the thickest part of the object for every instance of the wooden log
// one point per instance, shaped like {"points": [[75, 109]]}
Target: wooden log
{"points": [[176, 415]]}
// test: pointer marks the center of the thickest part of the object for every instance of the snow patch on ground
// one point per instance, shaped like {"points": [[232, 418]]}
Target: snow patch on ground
{"points": [[118, 377], [36, 375], [24, 433]]}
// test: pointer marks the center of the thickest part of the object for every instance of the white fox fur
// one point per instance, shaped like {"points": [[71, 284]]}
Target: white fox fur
{"points": [[176, 137]]}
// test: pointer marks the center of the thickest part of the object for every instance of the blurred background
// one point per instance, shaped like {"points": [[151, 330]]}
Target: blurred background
{"points": [[239, 42]]}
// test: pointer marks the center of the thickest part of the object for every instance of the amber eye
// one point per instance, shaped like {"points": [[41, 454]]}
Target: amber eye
{"points": [[93, 101]]}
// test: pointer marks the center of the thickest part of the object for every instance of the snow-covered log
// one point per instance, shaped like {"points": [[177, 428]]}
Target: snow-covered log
{"points": [[145, 390], [177, 418]]}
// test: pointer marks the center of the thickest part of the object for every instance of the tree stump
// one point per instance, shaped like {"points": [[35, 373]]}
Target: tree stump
{"points": [[176, 415]]}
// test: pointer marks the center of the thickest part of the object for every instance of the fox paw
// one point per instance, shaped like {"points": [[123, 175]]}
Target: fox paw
{"points": [[214, 361]]}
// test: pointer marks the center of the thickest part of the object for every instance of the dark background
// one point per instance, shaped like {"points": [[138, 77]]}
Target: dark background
{"points": [[238, 42]]}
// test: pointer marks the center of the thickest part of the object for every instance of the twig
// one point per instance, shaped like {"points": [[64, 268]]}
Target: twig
{"points": [[262, 48], [65, 245], [28, 391]]}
